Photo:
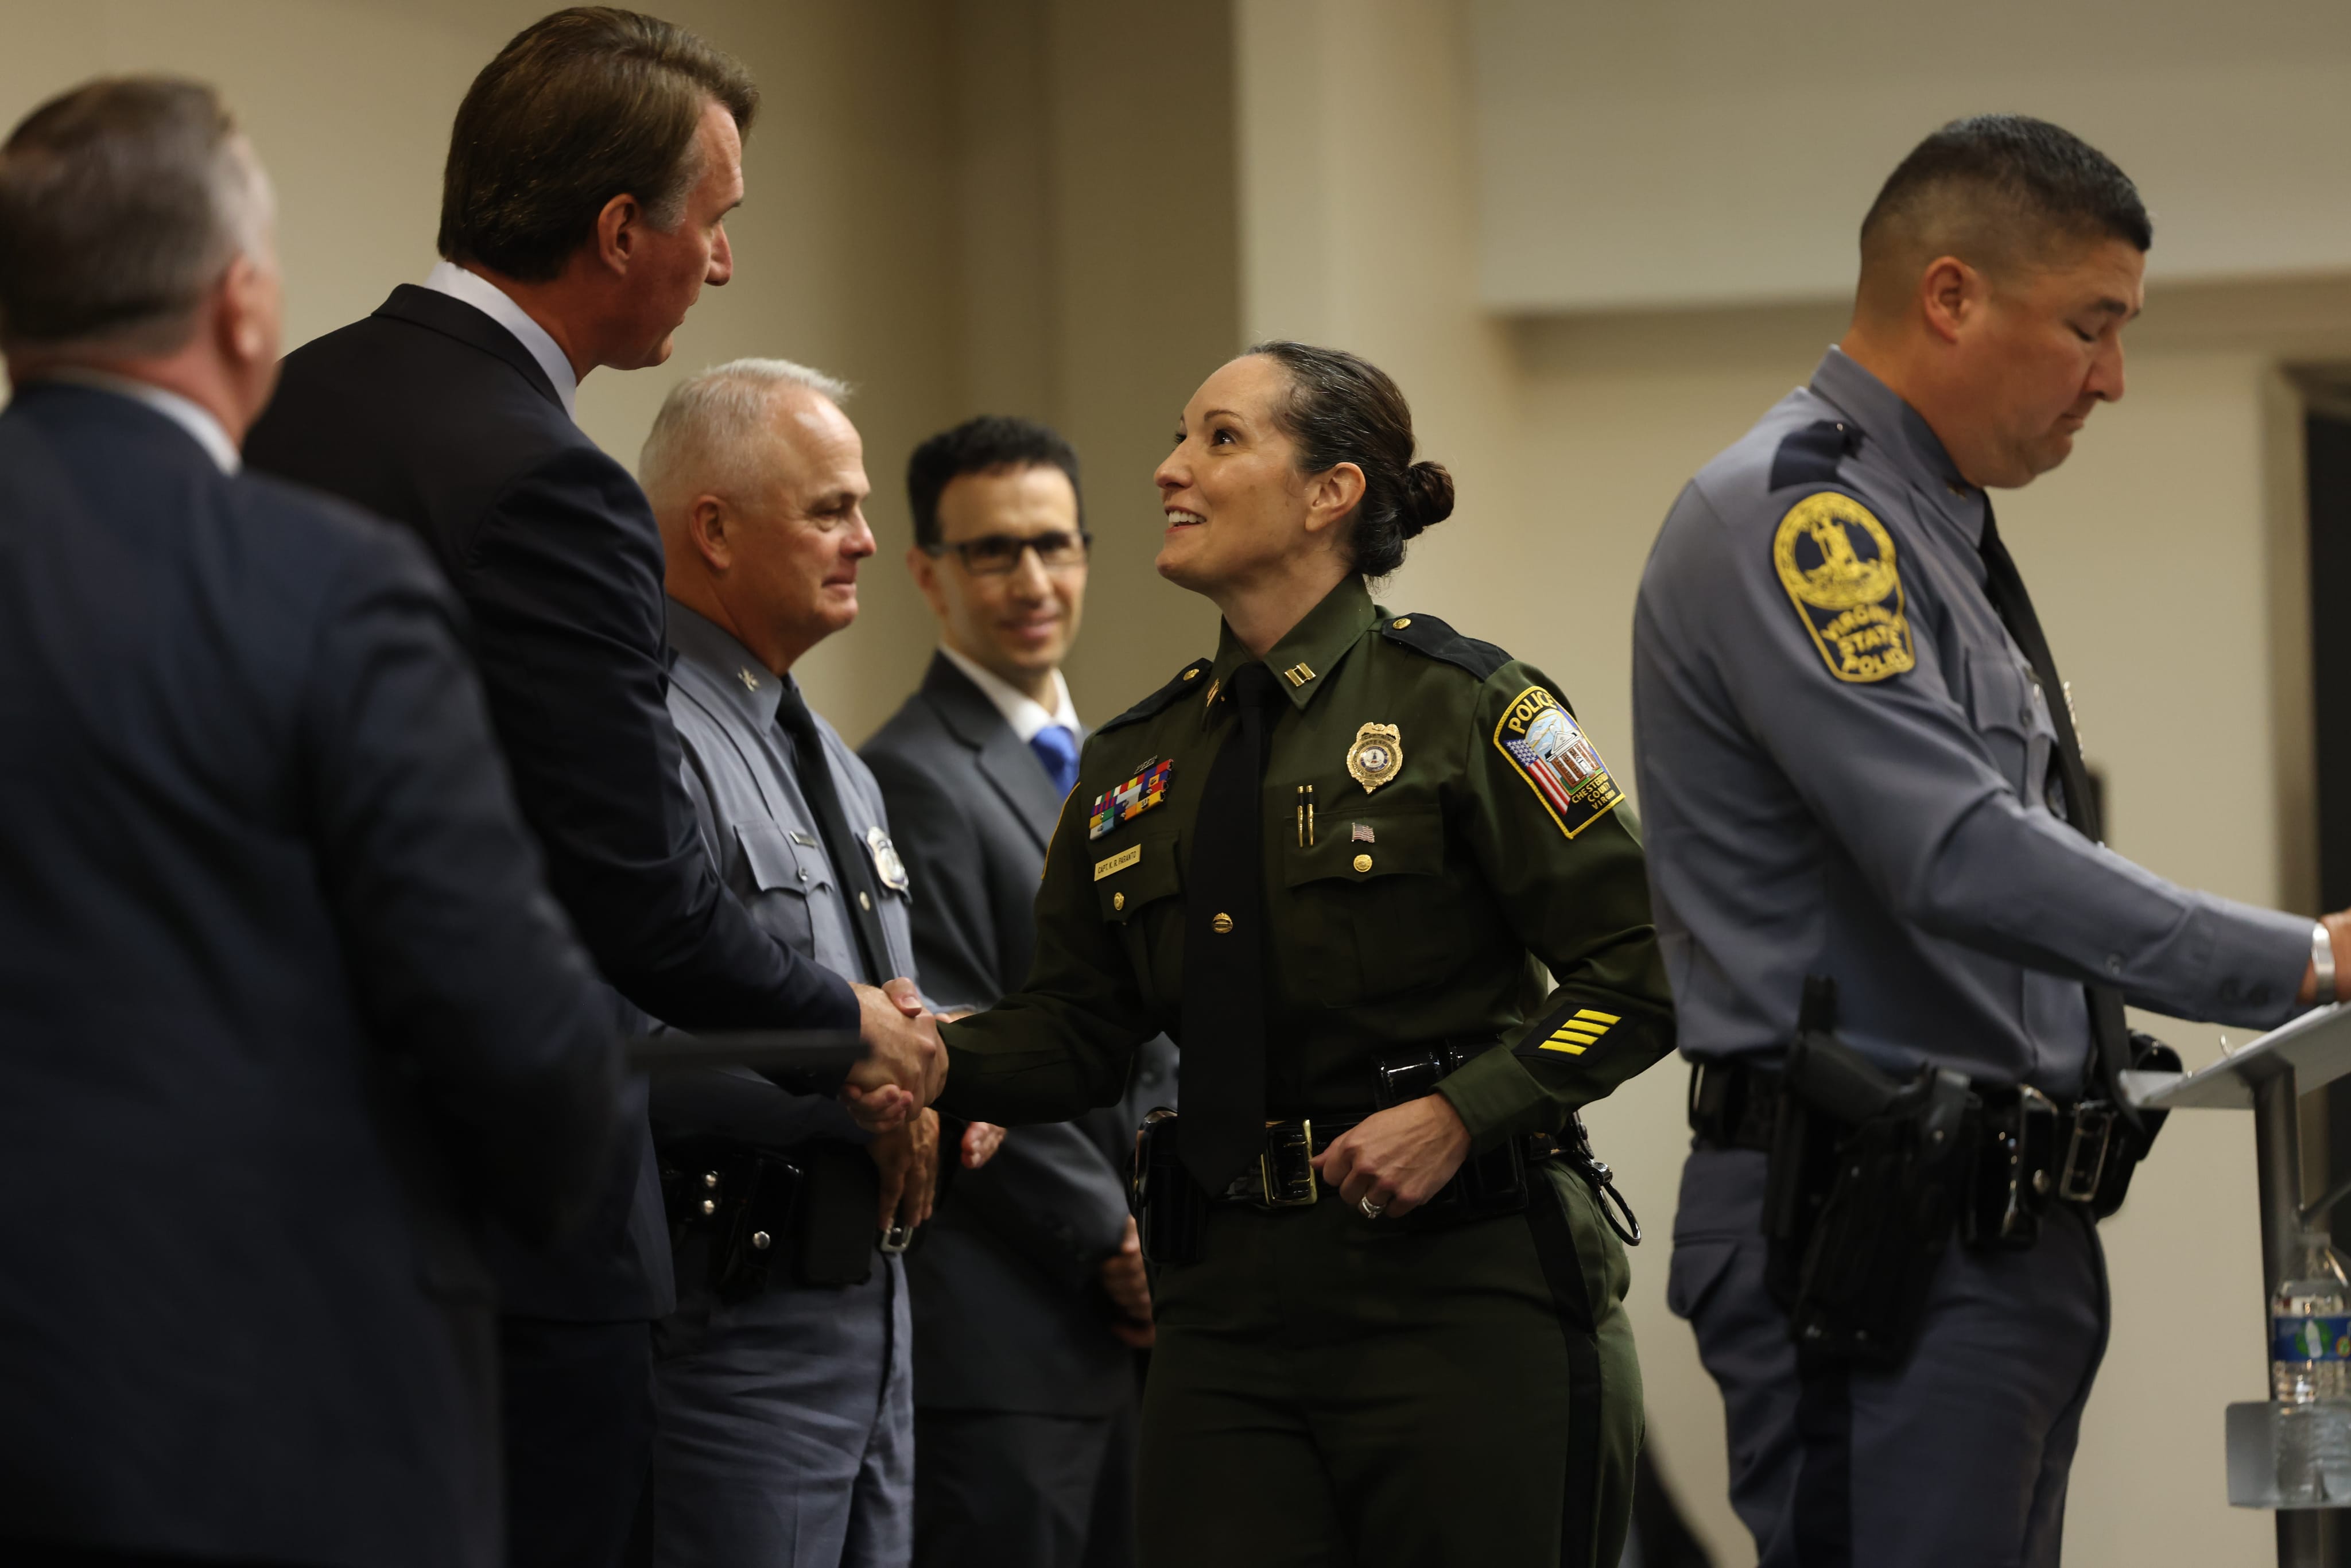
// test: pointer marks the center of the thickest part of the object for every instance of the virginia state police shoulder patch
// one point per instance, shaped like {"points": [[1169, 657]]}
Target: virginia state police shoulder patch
{"points": [[1558, 761], [1836, 561]]}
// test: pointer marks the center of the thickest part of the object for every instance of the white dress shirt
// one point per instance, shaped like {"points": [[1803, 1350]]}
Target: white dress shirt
{"points": [[448, 277], [185, 413], [1022, 712]]}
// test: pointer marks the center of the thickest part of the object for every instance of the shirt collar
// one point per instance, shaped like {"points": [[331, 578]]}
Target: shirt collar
{"points": [[185, 413], [1027, 717], [1920, 453], [743, 684], [1308, 653], [448, 277]]}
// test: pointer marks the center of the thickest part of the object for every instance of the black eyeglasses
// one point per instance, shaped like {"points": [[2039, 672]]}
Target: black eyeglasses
{"points": [[999, 553]]}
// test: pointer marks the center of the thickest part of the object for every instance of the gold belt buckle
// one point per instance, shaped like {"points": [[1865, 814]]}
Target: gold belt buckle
{"points": [[1285, 1170]]}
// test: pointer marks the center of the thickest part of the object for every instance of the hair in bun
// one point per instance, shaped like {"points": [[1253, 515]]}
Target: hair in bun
{"points": [[1344, 409], [1428, 497]]}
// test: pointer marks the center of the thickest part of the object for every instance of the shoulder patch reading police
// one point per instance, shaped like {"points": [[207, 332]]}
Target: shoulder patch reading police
{"points": [[1836, 561], [1550, 750]]}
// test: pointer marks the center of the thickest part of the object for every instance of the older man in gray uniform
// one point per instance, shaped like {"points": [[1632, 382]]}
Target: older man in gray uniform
{"points": [[1858, 763], [784, 1398]]}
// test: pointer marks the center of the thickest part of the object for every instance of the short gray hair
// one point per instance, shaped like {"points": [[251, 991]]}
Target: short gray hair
{"points": [[706, 435], [121, 203]]}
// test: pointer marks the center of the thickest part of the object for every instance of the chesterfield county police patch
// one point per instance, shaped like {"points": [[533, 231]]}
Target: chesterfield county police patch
{"points": [[1552, 753], [1836, 561], [1130, 800]]}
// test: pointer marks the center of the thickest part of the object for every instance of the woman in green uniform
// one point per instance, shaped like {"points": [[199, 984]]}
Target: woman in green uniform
{"points": [[1354, 849]]}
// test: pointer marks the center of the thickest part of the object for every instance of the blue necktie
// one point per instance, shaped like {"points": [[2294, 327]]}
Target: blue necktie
{"points": [[1057, 748]]}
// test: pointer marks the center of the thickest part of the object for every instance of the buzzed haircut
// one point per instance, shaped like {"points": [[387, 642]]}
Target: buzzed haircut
{"points": [[982, 445], [1996, 191], [580, 107], [121, 203], [713, 432]]}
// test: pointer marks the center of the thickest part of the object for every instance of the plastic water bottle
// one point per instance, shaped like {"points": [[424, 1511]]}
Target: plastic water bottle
{"points": [[2310, 1375], [2310, 1327]]}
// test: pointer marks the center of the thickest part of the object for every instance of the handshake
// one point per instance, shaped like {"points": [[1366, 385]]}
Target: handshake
{"points": [[908, 1063]]}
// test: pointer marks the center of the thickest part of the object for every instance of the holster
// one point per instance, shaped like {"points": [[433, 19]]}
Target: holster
{"points": [[735, 1202], [1171, 1212], [1486, 1185], [1861, 1190]]}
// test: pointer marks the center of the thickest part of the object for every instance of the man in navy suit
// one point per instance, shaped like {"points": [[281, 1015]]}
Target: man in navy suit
{"points": [[591, 170], [284, 1006], [1028, 1286]]}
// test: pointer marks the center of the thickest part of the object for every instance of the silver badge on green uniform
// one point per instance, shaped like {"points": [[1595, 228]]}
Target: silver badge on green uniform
{"points": [[1376, 757]]}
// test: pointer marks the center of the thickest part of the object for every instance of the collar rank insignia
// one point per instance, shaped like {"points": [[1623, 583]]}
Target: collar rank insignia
{"points": [[1130, 800], [888, 864], [1557, 759], [1376, 757]]}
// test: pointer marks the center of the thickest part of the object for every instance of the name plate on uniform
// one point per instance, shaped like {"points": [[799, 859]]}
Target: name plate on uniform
{"points": [[1119, 862]]}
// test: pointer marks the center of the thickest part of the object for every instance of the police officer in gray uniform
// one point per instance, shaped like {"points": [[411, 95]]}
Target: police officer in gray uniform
{"points": [[1860, 782], [784, 1411]]}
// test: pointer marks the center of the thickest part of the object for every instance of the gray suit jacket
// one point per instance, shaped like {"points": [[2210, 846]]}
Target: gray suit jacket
{"points": [[1009, 1310]]}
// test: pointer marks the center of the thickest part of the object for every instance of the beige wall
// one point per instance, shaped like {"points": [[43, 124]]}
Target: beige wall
{"points": [[1073, 210], [958, 205], [2162, 558]]}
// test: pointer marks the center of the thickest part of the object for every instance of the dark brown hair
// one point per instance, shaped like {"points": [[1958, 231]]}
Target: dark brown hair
{"points": [[582, 106], [120, 202], [1344, 409]]}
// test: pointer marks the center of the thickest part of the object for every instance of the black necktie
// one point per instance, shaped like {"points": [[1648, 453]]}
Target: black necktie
{"points": [[1223, 1032], [844, 848], [2005, 587]]}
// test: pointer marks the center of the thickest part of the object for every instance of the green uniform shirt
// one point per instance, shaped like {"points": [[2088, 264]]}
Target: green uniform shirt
{"points": [[1491, 848]]}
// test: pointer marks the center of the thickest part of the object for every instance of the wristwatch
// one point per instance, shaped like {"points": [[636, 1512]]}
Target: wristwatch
{"points": [[2322, 963]]}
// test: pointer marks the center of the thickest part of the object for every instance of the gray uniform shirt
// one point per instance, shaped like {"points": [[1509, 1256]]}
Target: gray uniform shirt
{"points": [[762, 834], [1847, 769]]}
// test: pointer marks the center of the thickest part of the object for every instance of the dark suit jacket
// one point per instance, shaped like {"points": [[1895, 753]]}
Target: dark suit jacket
{"points": [[433, 414], [283, 1005], [1009, 1310]]}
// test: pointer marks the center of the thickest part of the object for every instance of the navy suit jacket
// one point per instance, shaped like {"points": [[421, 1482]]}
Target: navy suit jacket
{"points": [[434, 415], [1009, 1313], [284, 1008]]}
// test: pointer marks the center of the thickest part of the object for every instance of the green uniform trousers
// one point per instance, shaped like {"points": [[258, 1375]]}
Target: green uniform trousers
{"points": [[1332, 1391]]}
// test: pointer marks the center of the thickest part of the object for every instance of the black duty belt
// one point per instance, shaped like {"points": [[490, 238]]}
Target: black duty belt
{"points": [[2055, 1149], [1283, 1177]]}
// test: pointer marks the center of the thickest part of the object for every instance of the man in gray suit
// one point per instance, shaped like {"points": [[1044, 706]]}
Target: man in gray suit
{"points": [[1028, 1286]]}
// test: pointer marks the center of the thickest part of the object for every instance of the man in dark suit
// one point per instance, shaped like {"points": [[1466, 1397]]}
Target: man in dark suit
{"points": [[591, 170], [284, 1006], [1028, 1289]]}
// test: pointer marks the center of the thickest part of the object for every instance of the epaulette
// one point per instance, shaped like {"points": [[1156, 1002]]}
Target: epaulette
{"points": [[1427, 634], [1811, 455], [1187, 679]]}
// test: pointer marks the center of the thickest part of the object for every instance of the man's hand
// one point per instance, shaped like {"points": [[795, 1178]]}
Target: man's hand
{"points": [[1397, 1157], [980, 1142], [1129, 1285], [2338, 928], [907, 1054], [909, 1162]]}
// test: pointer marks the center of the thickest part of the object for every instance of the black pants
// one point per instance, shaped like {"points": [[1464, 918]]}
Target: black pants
{"points": [[1002, 1490], [578, 1410]]}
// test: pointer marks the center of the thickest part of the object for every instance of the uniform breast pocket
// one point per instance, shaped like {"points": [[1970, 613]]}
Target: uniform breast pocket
{"points": [[2005, 703], [1138, 888], [782, 877], [1372, 914]]}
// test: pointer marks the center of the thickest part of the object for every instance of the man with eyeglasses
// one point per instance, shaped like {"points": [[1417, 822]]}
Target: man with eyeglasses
{"points": [[1028, 1286]]}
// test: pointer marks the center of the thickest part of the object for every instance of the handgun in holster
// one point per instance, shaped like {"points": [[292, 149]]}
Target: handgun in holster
{"points": [[1864, 1182]]}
